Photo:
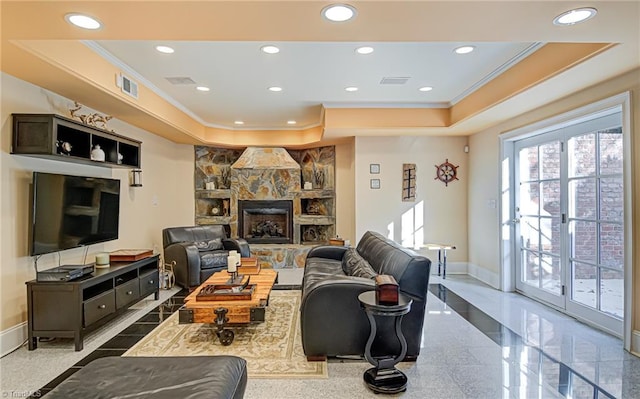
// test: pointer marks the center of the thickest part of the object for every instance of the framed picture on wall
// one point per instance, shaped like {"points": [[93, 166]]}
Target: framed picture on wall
{"points": [[374, 168], [374, 183]]}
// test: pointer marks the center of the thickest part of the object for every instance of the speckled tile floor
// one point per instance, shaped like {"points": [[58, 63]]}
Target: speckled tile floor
{"points": [[477, 343]]}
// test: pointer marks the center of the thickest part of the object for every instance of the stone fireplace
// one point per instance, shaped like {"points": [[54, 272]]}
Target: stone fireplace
{"points": [[266, 222], [258, 194]]}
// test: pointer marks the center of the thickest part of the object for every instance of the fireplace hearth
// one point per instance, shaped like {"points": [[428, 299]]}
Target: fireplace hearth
{"points": [[266, 222]]}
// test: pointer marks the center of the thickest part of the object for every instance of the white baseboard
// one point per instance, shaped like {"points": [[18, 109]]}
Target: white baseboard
{"points": [[484, 275], [13, 337], [452, 268], [635, 342]]}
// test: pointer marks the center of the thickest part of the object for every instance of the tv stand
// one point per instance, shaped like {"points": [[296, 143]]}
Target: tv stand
{"points": [[71, 309]]}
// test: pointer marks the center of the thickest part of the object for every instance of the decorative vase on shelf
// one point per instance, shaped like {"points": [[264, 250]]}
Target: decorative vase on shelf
{"points": [[64, 147], [97, 154]]}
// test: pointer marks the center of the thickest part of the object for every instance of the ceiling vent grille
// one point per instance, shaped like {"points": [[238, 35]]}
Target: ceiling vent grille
{"points": [[127, 85], [181, 80], [394, 80]]}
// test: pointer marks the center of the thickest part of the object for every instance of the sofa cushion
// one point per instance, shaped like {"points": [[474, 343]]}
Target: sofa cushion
{"points": [[213, 259], [209, 245], [355, 265]]}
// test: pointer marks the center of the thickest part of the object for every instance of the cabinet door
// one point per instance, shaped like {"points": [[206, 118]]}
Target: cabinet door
{"points": [[47, 300], [33, 134]]}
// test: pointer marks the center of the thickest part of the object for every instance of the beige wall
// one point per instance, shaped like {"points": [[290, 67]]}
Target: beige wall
{"points": [[166, 198], [345, 190], [484, 164], [445, 208]]}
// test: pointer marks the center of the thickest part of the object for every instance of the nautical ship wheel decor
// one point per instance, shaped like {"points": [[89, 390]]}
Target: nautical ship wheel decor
{"points": [[446, 172]]}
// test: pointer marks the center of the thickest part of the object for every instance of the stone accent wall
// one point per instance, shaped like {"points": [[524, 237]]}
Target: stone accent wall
{"points": [[269, 174]]}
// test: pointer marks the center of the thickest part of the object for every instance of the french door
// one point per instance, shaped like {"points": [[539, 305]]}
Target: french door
{"points": [[569, 214]]}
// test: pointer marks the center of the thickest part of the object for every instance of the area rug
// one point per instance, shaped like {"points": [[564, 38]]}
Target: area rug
{"points": [[272, 349]]}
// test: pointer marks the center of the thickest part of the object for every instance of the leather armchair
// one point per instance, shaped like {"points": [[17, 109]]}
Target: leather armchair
{"points": [[199, 251]]}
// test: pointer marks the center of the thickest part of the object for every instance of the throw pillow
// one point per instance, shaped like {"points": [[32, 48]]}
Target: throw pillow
{"points": [[355, 265], [210, 245]]}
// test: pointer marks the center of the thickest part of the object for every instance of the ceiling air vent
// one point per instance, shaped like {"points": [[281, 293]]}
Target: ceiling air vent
{"points": [[127, 85], [181, 80], [394, 80]]}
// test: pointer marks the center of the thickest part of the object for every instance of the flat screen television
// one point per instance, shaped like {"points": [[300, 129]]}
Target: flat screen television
{"points": [[72, 211]]}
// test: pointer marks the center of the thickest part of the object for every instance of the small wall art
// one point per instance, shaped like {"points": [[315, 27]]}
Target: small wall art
{"points": [[409, 182], [374, 183], [374, 168]]}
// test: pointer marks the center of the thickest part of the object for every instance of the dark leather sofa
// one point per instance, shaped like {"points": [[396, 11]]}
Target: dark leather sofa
{"points": [[199, 251], [332, 320], [214, 377]]}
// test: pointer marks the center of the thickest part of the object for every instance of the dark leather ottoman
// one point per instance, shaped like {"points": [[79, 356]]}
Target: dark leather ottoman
{"points": [[220, 377]]}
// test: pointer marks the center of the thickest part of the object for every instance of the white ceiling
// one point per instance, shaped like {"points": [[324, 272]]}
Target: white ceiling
{"points": [[310, 73], [217, 44]]}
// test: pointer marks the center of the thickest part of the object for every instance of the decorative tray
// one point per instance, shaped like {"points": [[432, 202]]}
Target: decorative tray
{"points": [[225, 292], [129, 255]]}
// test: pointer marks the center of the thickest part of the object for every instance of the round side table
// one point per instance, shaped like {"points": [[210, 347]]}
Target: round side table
{"points": [[384, 377]]}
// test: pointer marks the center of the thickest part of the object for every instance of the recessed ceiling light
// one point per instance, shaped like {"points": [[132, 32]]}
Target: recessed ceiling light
{"points": [[83, 21], [238, 122], [364, 50], [464, 49], [203, 88], [426, 88], [275, 88], [291, 122], [575, 16], [351, 88], [165, 49], [269, 49], [339, 12]]}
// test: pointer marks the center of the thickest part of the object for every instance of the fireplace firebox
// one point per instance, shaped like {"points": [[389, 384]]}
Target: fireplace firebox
{"points": [[266, 222]]}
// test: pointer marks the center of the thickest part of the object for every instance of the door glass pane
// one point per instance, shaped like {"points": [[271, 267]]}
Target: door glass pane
{"points": [[552, 243], [583, 241], [582, 157], [582, 198], [550, 160], [611, 199], [530, 233], [612, 292], [550, 198], [611, 151], [529, 164], [584, 284], [529, 199], [530, 267], [550, 279], [611, 245]]}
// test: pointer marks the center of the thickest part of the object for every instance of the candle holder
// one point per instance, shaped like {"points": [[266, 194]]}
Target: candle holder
{"points": [[234, 278]]}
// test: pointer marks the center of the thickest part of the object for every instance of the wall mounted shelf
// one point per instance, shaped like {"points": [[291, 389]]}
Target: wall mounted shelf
{"points": [[56, 137]]}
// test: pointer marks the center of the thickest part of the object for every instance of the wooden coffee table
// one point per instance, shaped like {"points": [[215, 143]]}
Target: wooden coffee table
{"points": [[226, 312]]}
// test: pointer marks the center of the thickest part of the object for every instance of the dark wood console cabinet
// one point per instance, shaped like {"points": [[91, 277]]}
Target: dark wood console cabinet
{"points": [[42, 135], [72, 308]]}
